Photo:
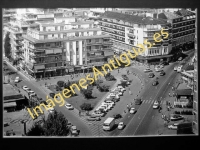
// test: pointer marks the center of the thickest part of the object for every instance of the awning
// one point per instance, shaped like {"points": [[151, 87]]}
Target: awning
{"points": [[11, 104], [39, 67], [49, 52], [57, 51], [108, 53]]}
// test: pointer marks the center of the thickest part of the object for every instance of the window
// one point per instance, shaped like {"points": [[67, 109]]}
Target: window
{"points": [[96, 40]]}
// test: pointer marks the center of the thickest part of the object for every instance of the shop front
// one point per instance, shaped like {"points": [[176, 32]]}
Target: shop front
{"points": [[69, 70]]}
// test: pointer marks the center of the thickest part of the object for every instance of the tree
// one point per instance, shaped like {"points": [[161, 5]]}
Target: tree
{"points": [[55, 125], [60, 83], [36, 130], [87, 93], [109, 77], [86, 106], [7, 47]]}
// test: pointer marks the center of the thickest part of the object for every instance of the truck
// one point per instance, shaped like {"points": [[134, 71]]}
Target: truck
{"points": [[109, 123]]}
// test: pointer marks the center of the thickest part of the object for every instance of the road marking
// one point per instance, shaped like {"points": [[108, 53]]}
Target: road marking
{"points": [[150, 106]]}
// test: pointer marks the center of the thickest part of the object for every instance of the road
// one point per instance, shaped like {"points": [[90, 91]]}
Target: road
{"points": [[70, 115]]}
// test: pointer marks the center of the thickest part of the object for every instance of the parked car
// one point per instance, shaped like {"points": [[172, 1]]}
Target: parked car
{"points": [[109, 102], [120, 126], [31, 93], [155, 83], [176, 117], [173, 126], [147, 70], [98, 114], [138, 101], [93, 118], [69, 106], [164, 63], [51, 110], [25, 88], [162, 73], [175, 68], [52, 94], [179, 68], [17, 80], [155, 105], [180, 58], [133, 110], [151, 75], [74, 130]]}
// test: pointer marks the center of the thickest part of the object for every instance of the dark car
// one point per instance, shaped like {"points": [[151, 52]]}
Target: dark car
{"points": [[151, 75], [162, 73], [138, 101], [52, 94], [155, 83], [164, 63], [117, 116]]}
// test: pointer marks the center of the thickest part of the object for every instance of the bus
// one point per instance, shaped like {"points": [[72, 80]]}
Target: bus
{"points": [[109, 123]]}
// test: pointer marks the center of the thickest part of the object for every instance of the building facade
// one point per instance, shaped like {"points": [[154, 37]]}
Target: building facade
{"points": [[55, 48], [128, 31]]}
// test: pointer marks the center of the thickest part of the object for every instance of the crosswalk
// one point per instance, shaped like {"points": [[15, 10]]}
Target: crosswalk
{"points": [[150, 102]]}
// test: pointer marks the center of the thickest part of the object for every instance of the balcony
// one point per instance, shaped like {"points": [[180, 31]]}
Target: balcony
{"points": [[119, 25], [111, 27], [151, 29], [113, 32], [107, 42], [93, 43], [131, 36]]}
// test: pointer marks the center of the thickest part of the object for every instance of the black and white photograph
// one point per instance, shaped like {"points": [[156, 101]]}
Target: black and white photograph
{"points": [[99, 72]]}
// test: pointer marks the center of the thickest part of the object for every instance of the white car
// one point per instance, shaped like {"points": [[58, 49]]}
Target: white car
{"points": [[147, 70], [16, 79], [74, 130], [69, 106], [132, 111], [98, 114], [116, 92], [121, 87], [175, 68], [104, 103], [120, 126], [25, 88], [179, 68], [173, 126], [109, 102], [51, 110], [155, 105], [108, 106], [31, 93]]}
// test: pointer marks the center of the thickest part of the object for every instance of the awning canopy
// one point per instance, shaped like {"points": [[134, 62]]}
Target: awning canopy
{"points": [[49, 51], [11, 104], [39, 67], [108, 53]]}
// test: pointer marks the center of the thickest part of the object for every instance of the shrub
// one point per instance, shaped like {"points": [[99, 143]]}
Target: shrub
{"points": [[103, 88], [109, 77], [86, 106], [87, 93], [60, 83]]}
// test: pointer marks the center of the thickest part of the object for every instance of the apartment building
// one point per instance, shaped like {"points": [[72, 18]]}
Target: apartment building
{"points": [[183, 29], [128, 31], [57, 48], [195, 88]]}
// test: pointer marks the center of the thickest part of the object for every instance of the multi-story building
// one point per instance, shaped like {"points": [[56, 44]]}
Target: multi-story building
{"points": [[128, 31], [183, 29], [15, 35], [195, 97], [55, 48]]}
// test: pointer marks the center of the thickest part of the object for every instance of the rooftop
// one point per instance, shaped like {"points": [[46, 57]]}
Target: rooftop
{"points": [[168, 15], [8, 90], [64, 39], [133, 18], [184, 92], [184, 12], [190, 67]]}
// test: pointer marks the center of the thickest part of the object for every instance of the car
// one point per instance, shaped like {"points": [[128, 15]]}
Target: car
{"points": [[147, 70], [74, 130], [106, 106], [52, 94], [121, 87], [164, 63], [109, 102], [117, 116], [137, 101], [31, 93], [176, 117], [51, 110], [98, 114], [155, 105], [120, 126], [93, 118], [16, 80], [155, 83], [180, 58], [69, 106], [158, 70], [151, 75], [25, 88], [162, 73], [132, 110], [102, 109], [175, 68], [173, 126], [119, 93]]}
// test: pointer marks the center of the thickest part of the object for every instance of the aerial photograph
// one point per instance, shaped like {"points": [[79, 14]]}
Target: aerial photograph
{"points": [[99, 72]]}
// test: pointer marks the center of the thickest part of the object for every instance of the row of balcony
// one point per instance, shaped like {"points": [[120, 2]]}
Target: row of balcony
{"points": [[183, 33], [99, 43], [46, 62], [111, 26], [183, 29], [186, 20], [113, 32]]}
